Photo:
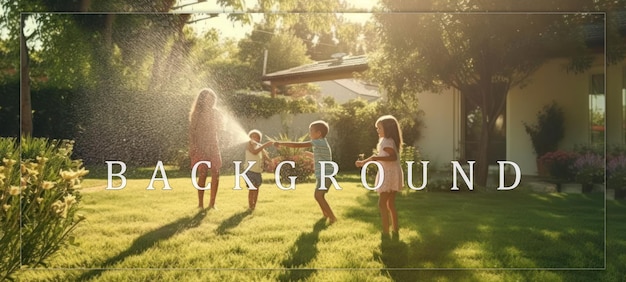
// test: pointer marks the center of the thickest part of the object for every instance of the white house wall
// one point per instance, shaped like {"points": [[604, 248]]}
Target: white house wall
{"points": [[441, 135], [439, 138], [550, 83]]}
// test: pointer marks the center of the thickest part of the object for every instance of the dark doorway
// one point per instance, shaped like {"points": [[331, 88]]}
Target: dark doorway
{"points": [[471, 113]]}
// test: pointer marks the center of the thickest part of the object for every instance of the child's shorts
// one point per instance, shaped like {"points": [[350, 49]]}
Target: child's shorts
{"points": [[255, 178], [328, 183]]}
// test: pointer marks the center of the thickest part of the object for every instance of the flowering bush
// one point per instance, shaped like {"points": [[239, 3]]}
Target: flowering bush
{"points": [[303, 171], [589, 169], [304, 168], [560, 164], [42, 189], [616, 172]]}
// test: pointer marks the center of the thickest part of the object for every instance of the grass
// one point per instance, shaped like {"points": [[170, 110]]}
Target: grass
{"points": [[147, 235]]}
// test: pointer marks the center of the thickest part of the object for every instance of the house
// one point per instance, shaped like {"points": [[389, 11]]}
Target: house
{"points": [[344, 90], [594, 105], [340, 67], [448, 119]]}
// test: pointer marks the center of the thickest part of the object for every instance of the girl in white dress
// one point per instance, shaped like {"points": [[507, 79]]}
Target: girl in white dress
{"points": [[389, 144]]}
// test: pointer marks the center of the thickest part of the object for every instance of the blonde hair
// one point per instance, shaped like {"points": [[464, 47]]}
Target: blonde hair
{"points": [[254, 131], [205, 100]]}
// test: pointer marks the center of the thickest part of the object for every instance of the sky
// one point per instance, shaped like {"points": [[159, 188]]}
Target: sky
{"points": [[229, 29]]}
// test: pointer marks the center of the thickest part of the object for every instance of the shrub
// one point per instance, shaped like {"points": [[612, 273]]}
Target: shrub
{"points": [[304, 168], [410, 153], [356, 119], [546, 134], [616, 172], [589, 169], [560, 164], [370, 172], [45, 196]]}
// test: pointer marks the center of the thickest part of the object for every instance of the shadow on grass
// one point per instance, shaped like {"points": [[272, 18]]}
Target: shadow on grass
{"points": [[302, 252], [394, 254], [490, 230], [231, 222], [147, 241]]}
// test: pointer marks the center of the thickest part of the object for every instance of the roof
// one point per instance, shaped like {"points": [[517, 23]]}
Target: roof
{"points": [[357, 87], [319, 71]]}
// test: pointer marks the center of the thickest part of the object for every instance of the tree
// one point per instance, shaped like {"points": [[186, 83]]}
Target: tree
{"points": [[52, 28], [481, 55], [284, 50]]}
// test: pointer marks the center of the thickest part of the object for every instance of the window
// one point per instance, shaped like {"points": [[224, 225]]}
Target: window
{"points": [[596, 109]]}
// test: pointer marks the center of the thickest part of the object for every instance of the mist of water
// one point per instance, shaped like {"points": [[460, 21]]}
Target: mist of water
{"points": [[150, 121], [234, 133]]}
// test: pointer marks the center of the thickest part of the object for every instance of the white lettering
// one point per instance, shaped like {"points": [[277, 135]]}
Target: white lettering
{"points": [[245, 177], [119, 174], [469, 181], [410, 175], [159, 167], [194, 182], [381, 174], [291, 178], [518, 177]]}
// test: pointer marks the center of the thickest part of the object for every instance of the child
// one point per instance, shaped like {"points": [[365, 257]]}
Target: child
{"points": [[204, 124], [321, 152], [390, 142], [255, 152]]}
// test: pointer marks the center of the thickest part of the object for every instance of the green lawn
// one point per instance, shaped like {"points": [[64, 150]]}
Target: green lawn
{"points": [[158, 235]]}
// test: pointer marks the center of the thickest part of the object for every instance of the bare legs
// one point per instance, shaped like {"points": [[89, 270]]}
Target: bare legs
{"points": [[326, 210], [215, 180], [252, 197], [202, 174], [387, 206]]}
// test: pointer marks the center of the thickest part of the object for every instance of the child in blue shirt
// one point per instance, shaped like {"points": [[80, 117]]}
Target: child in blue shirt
{"points": [[321, 152]]}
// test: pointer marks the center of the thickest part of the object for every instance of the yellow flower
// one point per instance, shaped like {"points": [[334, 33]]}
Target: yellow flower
{"points": [[68, 174], [47, 185], [32, 172], [42, 160], [15, 190], [81, 217], [39, 200], [58, 207], [82, 172], [8, 162], [1, 168], [6, 207], [69, 199]]}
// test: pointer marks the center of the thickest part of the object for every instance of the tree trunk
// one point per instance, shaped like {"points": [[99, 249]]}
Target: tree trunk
{"points": [[482, 160], [493, 102], [26, 115]]}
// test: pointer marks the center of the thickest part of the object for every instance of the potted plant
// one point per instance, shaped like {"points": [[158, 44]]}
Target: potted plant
{"points": [[589, 169], [560, 166], [546, 134]]}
